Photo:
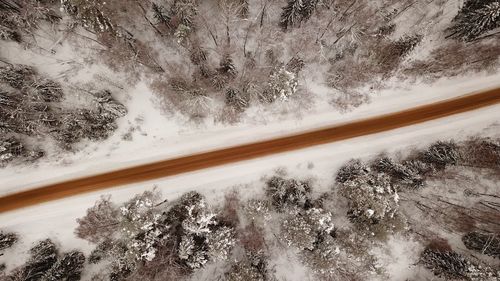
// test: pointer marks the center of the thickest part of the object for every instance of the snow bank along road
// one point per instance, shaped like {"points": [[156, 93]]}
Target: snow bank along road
{"points": [[208, 159]]}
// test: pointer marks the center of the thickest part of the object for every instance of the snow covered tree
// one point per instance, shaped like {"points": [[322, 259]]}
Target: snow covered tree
{"points": [[444, 262], [201, 225], [372, 200], [237, 99], [42, 257], [242, 272], [309, 8], [295, 64], [17, 75], [351, 171], [287, 192], [474, 19], [68, 268], [161, 15], [12, 148], [137, 213], [257, 210], [197, 233], [323, 259], [305, 229], [186, 11], [252, 267], [227, 67], [297, 11], [91, 14], [291, 16], [107, 106], [100, 222], [282, 85], [7, 239], [101, 251]]}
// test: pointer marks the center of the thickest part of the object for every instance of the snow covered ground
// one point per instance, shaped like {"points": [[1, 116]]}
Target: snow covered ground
{"points": [[57, 219], [157, 136]]}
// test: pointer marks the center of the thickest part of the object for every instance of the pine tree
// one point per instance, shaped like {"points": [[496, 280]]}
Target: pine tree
{"points": [[68, 268], [42, 257], [161, 15], [237, 99], [475, 18], [227, 66], [292, 14], [287, 192], [309, 8], [91, 14]]}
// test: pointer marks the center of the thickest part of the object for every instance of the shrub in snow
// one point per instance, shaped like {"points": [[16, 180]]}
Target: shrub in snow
{"points": [[441, 154], [481, 152], [68, 268], [281, 86], [7, 239], [484, 243], [287, 192], [474, 19], [403, 175]]}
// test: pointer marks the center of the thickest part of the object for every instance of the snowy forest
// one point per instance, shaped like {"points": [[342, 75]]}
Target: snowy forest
{"points": [[336, 232], [67, 67]]}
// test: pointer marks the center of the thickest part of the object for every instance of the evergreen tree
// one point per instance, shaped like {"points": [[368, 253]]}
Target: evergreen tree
{"points": [[309, 8], [227, 66], [68, 268], [475, 18], [91, 14], [237, 99], [42, 257], [161, 15], [292, 14]]}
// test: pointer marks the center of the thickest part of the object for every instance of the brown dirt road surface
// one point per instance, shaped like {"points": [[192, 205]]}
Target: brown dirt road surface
{"points": [[214, 158]]}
